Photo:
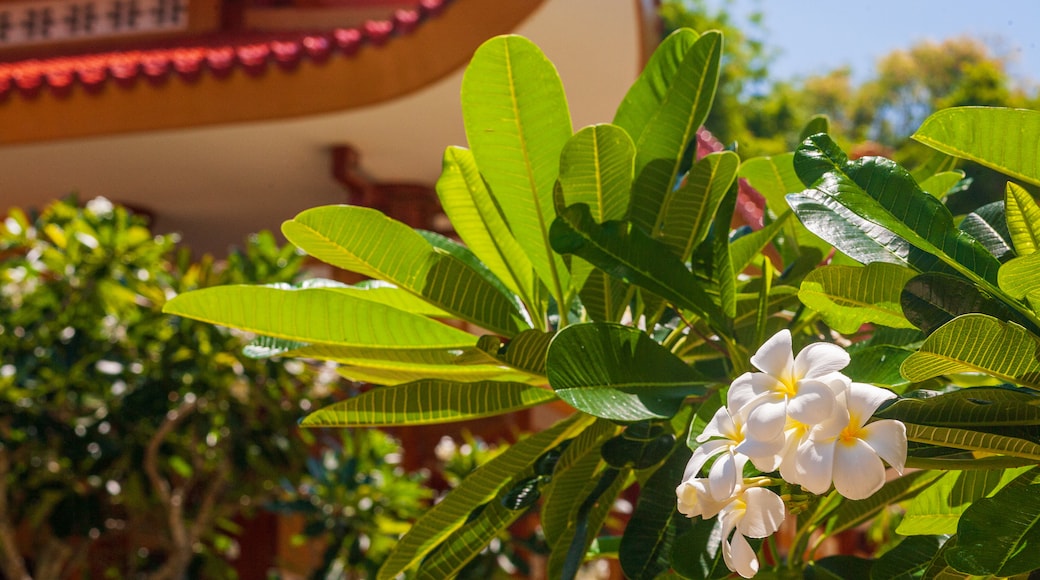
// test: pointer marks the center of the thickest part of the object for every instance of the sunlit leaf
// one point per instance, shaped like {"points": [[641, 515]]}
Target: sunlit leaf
{"points": [[976, 342], [848, 297], [365, 241], [479, 222], [1020, 276], [1001, 139], [970, 407], [662, 143], [973, 441], [316, 315], [937, 509], [517, 123], [1023, 219]]}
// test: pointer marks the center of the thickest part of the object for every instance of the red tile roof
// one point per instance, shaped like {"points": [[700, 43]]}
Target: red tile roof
{"points": [[217, 54]]}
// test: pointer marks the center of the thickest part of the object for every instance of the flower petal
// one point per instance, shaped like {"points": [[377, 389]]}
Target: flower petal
{"points": [[763, 515], [888, 439], [818, 359], [766, 421], [693, 499], [812, 404], [864, 399], [774, 356], [739, 556], [766, 455], [720, 425], [725, 475], [701, 455], [741, 392], [858, 471], [814, 465]]}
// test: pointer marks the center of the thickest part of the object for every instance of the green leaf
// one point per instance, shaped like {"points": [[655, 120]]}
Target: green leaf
{"points": [[940, 183], [774, 178], [645, 96], [1020, 276], [427, 402], [599, 496], [655, 523], [1023, 219], [662, 144], [970, 407], [877, 365], [723, 272], [884, 194], [517, 123], [744, 249], [479, 222], [365, 241], [937, 509], [976, 342], [696, 553], [467, 542], [1001, 139], [685, 214], [818, 124], [907, 560], [851, 513], [577, 466], [390, 295], [933, 299], [998, 535], [973, 441], [840, 567], [988, 225], [596, 169], [316, 315], [526, 351], [618, 372], [625, 252], [849, 296], [860, 239], [478, 488]]}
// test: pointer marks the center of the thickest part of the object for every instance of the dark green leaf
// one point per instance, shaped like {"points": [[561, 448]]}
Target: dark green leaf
{"points": [[908, 559], [840, 567], [878, 365], [885, 195], [655, 523], [625, 252], [618, 372], [998, 535], [932, 299], [988, 225], [971, 407]]}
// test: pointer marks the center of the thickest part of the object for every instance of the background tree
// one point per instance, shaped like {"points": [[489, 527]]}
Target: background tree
{"points": [[122, 426]]}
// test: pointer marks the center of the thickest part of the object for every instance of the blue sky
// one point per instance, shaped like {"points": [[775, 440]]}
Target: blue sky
{"points": [[816, 35]]}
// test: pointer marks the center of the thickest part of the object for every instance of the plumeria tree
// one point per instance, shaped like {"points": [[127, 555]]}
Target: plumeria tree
{"points": [[660, 287]]}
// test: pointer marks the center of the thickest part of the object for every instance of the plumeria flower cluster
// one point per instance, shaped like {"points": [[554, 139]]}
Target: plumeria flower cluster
{"points": [[800, 416]]}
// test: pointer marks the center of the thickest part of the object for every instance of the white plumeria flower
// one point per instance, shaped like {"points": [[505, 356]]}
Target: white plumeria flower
{"points": [[721, 437], [754, 512], [694, 499], [851, 456], [803, 388]]}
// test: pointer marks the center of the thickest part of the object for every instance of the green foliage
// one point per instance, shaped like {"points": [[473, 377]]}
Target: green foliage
{"points": [[603, 270], [114, 413]]}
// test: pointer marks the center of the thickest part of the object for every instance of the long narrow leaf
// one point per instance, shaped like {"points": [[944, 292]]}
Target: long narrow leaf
{"points": [[364, 240], [316, 315], [429, 402], [973, 441], [479, 222], [480, 487], [663, 143], [517, 123]]}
